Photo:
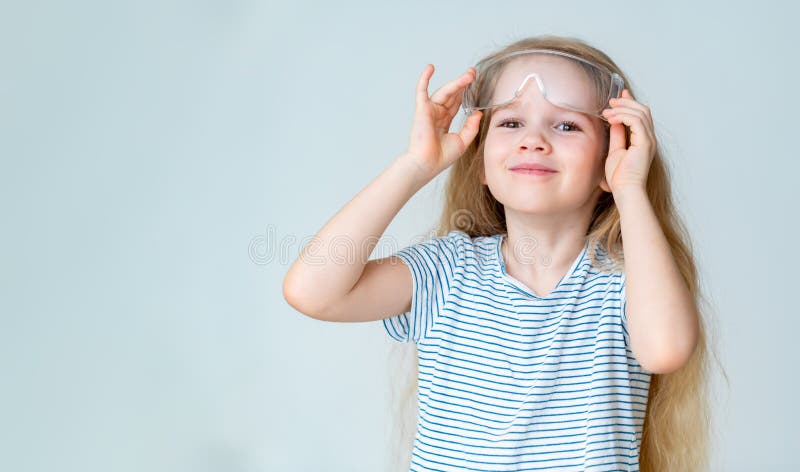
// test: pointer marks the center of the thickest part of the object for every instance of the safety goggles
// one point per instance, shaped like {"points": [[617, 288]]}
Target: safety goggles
{"points": [[565, 80]]}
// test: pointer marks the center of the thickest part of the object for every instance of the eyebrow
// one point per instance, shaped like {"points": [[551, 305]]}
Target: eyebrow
{"points": [[508, 106]]}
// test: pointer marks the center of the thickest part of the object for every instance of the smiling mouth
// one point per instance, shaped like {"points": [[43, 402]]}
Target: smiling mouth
{"points": [[533, 171]]}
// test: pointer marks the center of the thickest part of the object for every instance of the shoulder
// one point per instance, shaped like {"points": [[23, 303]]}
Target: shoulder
{"points": [[455, 248], [459, 237], [468, 245], [455, 239], [604, 262]]}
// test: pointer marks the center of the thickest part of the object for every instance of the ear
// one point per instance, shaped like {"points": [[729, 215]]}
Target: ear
{"points": [[604, 185]]}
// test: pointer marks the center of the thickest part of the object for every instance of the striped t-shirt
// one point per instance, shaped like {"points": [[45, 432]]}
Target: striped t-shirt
{"points": [[509, 380]]}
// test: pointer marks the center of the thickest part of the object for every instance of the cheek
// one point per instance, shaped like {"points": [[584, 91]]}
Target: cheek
{"points": [[493, 159], [494, 166], [491, 146], [589, 163]]}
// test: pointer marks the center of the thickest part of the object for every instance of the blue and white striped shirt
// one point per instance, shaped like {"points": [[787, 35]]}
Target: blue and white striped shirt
{"points": [[509, 380]]}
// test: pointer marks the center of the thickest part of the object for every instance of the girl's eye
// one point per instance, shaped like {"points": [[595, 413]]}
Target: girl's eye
{"points": [[571, 124], [505, 122]]}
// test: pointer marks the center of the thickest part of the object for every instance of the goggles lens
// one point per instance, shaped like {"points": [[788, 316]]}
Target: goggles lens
{"points": [[565, 80]]}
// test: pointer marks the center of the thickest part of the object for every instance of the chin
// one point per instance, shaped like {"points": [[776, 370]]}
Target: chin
{"points": [[531, 204], [533, 209]]}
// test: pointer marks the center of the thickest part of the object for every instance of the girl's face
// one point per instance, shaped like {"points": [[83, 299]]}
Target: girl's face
{"points": [[535, 131]]}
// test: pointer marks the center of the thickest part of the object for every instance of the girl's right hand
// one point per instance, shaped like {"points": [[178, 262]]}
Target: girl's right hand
{"points": [[431, 146]]}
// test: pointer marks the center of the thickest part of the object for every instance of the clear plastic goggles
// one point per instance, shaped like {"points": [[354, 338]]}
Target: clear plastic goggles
{"points": [[565, 80]]}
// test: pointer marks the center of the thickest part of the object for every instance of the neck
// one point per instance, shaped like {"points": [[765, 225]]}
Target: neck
{"points": [[542, 245]]}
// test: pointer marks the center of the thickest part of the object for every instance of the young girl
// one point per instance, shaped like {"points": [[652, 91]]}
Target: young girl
{"points": [[540, 346]]}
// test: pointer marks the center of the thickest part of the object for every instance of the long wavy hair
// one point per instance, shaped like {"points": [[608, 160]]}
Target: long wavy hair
{"points": [[677, 426]]}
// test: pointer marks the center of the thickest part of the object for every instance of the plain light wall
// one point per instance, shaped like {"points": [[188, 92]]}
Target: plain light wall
{"points": [[163, 161]]}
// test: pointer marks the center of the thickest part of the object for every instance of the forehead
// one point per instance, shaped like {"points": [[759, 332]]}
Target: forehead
{"points": [[562, 77]]}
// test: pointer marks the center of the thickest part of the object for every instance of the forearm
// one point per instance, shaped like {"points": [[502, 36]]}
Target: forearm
{"points": [[331, 264], [661, 312]]}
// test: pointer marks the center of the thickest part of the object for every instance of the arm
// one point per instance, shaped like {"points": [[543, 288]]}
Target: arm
{"points": [[332, 279], [329, 267], [661, 313]]}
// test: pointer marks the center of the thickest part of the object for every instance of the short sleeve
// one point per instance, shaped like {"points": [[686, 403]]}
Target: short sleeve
{"points": [[623, 317], [434, 264]]}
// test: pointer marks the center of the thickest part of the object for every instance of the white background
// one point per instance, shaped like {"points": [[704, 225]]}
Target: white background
{"points": [[162, 160]]}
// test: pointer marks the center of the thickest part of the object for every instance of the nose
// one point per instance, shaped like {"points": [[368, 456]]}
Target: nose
{"points": [[533, 136], [534, 140]]}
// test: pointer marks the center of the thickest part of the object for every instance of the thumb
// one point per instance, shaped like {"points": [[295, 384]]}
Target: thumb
{"points": [[470, 129]]}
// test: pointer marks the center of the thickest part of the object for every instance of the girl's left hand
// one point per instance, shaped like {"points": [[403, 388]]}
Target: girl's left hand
{"points": [[629, 167]]}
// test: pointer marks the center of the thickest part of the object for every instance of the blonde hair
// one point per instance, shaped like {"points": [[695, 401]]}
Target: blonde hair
{"points": [[676, 434]]}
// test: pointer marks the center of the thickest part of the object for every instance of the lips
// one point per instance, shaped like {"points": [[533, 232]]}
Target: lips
{"points": [[531, 167]]}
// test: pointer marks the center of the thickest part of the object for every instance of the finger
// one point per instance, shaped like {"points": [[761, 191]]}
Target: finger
{"points": [[453, 107], [640, 134], [470, 129], [422, 84], [453, 103], [459, 99], [447, 92], [627, 100], [622, 103], [616, 140], [452, 100], [646, 119]]}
